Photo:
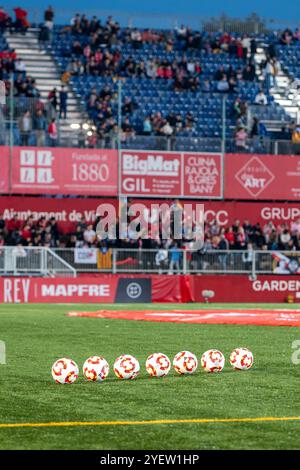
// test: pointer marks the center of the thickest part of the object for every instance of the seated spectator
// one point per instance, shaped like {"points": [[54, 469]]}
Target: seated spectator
{"points": [[166, 129], [261, 99], [223, 85], [127, 128], [206, 86], [128, 106], [249, 73], [286, 37], [241, 137], [147, 126]]}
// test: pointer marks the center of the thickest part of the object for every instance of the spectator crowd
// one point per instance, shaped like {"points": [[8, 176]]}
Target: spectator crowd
{"points": [[237, 236], [102, 48]]}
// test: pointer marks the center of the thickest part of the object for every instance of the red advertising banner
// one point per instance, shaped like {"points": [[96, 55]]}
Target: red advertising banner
{"points": [[64, 171], [170, 174], [150, 174], [68, 211], [4, 169], [238, 288], [30, 290], [274, 177], [164, 288]]}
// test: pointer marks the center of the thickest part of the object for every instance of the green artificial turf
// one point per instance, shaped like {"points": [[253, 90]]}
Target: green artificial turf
{"points": [[37, 335]]}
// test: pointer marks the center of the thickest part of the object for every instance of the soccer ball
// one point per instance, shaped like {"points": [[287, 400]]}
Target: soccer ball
{"points": [[212, 361], [65, 371], [126, 367], [158, 365], [241, 358], [185, 362], [95, 368]]}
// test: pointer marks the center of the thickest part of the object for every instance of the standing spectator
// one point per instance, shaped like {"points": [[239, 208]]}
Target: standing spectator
{"points": [[52, 100], [52, 133], [25, 127], [48, 21], [89, 235], [4, 19], [63, 97], [49, 15], [40, 126], [44, 36], [248, 257], [20, 67], [175, 256], [223, 245], [270, 72], [21, 23]]}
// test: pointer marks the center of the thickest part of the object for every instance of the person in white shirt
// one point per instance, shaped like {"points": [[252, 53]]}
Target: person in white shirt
{"points": [[261, 99], [20, 66], [89, 234]]}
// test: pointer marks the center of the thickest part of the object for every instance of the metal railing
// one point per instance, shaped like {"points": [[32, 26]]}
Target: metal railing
{"points": [[162, 261], [33, 261], [67, 262]]}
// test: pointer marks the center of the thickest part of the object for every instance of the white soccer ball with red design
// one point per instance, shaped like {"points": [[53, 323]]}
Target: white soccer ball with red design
{"points": [[241, 358], [213, 361], [185, 362], [65, 371], [158, 365], [95, 368], [126, 367]]}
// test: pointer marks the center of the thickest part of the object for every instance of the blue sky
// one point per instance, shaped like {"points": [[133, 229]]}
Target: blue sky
{"points": [[164, 12]]}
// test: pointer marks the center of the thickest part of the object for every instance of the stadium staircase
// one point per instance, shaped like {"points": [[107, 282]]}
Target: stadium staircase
{"points": [[41, 66], [286, 94]]}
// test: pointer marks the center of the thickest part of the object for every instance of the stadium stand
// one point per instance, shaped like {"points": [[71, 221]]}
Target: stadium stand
{"points": [[176, 81]]}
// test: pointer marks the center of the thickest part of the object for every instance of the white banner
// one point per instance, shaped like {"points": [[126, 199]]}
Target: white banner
{"points": [[85, 256]]}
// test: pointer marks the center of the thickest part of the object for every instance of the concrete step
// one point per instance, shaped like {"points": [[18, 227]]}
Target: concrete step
{"points": [[25, 49], [42, 75], [36, 68], [44, 84], [26, 42], [284, 102]]}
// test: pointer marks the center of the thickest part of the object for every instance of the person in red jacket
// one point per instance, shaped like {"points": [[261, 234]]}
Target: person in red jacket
{"points": [[21, 23]]}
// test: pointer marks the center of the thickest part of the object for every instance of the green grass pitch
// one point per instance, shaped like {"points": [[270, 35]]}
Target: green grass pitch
{"points": [[37, 335]]}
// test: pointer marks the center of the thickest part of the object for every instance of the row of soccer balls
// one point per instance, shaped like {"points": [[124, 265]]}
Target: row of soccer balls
{"points": [[96, 368]]}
